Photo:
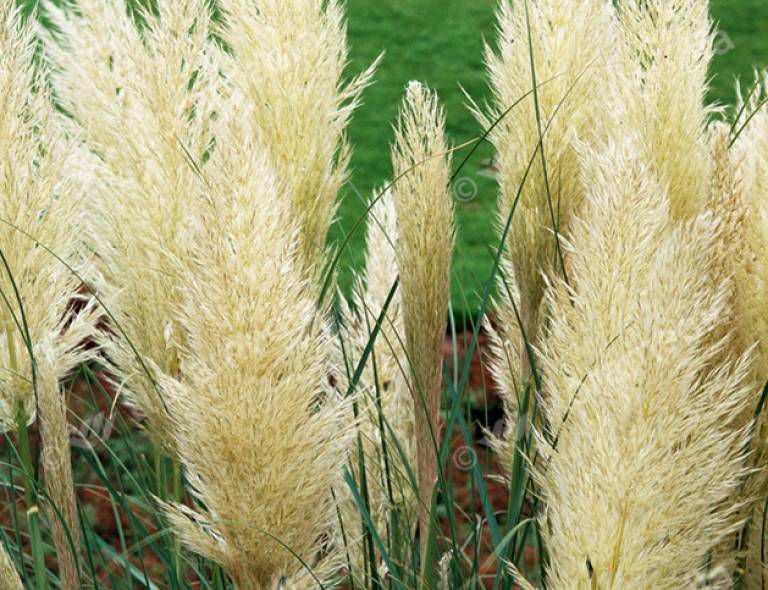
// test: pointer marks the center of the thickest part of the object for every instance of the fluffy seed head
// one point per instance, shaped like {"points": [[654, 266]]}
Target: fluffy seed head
{"points": [[647, 462], [425, 219], [425, 225], [260, 433], [666, 47], [141, 101], [570, 43], [749, 159], [571, 48], [289, 57], [40, 210]]}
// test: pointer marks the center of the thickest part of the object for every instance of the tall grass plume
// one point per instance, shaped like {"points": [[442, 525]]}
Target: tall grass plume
{"points": [[426, 229]]}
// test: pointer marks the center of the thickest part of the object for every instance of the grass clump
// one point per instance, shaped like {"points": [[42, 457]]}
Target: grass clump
{"points": [[172, 177]]}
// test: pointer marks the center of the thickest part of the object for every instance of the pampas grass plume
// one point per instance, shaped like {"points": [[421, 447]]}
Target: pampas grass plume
{"points": [[43, 338], [425, 219], [260, 432], [9, 577], [290, 56], [667, 47], [749, 160], [142, 104], [570, 42], [571, 48], [647, 463]]}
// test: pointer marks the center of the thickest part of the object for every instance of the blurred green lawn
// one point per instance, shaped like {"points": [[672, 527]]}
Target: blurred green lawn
{"points": [[441, 43]]}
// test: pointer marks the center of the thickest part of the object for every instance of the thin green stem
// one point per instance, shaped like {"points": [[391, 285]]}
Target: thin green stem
{"points": [[30, 497]]}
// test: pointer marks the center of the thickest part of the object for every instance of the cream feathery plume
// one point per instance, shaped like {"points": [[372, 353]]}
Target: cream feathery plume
{"points": [[387, 426], [731, 262], [727, 203], [142, 102], [59, 482], [289, 56], [570, 48], [426, 229], [41, 204], [667, 46], [262, 435], [40, 211], [570, 43], [749, 156], [640, 486], [9, 577]]}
